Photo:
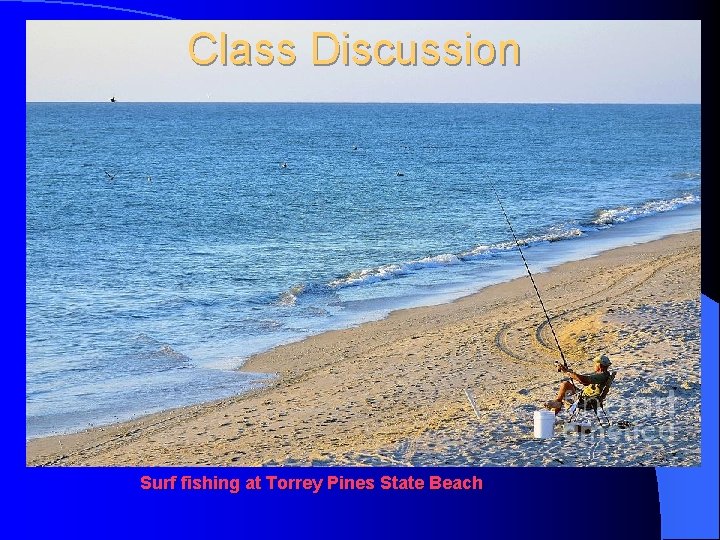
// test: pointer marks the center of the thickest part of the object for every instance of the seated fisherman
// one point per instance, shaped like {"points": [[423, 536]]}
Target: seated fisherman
{"points": [[593, 382]]}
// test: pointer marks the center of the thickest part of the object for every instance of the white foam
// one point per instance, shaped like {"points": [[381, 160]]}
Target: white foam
{"points": [[622, 214], [389, 271], [554, 235], [289, 297]]}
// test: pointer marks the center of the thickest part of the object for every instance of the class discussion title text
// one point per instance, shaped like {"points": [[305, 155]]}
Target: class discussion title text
{"points": [[331, 49]]}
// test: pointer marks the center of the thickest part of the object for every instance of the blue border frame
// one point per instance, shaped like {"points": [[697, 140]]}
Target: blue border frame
{"points": [[689, 496], [510, 504]]}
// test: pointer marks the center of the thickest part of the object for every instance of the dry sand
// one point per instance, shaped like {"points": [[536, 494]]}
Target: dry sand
{"points": [[392, 392]]}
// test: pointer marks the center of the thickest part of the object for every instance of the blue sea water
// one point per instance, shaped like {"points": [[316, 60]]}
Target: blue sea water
{"points": [[146, 291]]}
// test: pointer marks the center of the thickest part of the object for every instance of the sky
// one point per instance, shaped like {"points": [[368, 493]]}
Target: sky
{"points": [[560, 62]]}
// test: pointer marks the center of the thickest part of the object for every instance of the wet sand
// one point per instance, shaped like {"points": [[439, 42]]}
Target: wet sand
{"points": [[395, 391]]}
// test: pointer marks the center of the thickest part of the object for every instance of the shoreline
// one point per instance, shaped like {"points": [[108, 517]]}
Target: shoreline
{"points": [[340, 382], [470, 280]]}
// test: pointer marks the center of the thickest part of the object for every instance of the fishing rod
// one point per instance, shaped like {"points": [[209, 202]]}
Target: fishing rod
{"points": [[532, 279]]}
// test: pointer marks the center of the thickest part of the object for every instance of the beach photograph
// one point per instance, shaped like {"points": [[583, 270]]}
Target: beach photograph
{"points": [[363, 243]]}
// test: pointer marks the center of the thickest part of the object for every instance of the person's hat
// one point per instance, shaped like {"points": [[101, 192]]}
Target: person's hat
{"points": [[603, 360]]}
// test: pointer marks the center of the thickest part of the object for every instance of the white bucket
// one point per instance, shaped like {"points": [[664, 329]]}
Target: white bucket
{"points": [[544, 424]]}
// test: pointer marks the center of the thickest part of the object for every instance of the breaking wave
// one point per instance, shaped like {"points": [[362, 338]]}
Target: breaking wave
{"points": [[389, 271], [622, 214], [602, 219]]}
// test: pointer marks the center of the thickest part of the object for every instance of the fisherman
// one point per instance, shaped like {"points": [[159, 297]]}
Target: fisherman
{"points": [[594, 382]]}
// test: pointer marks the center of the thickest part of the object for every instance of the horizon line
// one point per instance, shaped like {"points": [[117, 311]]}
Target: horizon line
{"points": [[382, 102]]}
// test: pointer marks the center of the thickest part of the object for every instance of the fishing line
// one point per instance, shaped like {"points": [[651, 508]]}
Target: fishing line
{"points": [[532, 279]]}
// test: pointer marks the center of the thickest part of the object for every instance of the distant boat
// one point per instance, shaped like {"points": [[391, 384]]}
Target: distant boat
{"points": [[399, 173], [283, 165]]}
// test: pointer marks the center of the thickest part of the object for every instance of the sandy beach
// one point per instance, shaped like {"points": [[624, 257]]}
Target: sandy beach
{"points": [[395, 391]]}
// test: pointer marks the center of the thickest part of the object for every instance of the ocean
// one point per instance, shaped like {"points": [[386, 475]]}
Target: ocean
{"points": [[168, 242]]}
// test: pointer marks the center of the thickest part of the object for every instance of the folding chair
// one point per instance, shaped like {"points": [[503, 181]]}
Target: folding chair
{"points": [[583, 403]]}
